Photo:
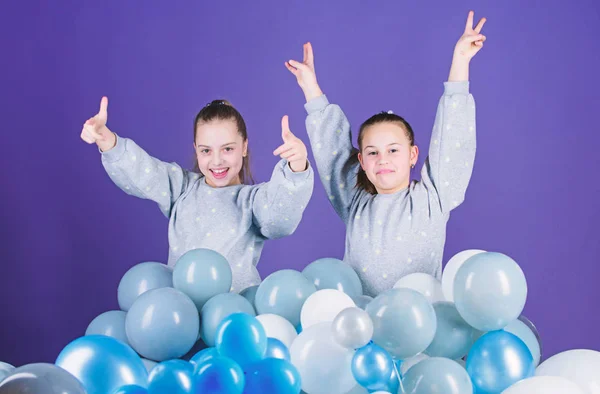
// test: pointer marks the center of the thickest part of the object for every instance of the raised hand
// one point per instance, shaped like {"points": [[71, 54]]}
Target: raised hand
{"points": [[292, 149], [94, 129], [305, 73], [472, 40]]}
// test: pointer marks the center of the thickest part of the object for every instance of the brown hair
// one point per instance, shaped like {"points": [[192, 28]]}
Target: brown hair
{"points": [[223, 110], [362, 181]]}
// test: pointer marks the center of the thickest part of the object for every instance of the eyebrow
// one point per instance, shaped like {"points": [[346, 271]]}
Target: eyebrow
{"points": [[374, 147], [222, 146]]}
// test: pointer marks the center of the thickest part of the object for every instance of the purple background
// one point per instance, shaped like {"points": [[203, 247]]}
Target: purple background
{"points": [[68, 234]]}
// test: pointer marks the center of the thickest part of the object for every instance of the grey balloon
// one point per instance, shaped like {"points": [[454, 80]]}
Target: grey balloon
{"points": [[40, 378], [352, 328]]}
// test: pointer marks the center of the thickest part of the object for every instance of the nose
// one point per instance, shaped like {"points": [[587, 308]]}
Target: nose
{"points": [[217, 159]]}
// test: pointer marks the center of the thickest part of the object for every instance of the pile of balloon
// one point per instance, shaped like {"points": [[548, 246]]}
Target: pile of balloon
{"points": [[183, 330]]}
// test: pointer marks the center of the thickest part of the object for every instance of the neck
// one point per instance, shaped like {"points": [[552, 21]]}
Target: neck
{"points": [[396, 189]]}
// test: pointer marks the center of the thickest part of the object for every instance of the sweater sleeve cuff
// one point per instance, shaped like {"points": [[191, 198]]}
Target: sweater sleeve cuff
{"points": [[316, 104], [461, 87], [116, 152]]}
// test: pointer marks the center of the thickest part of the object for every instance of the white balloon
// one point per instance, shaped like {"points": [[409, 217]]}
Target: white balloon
{"points": [[278, 327], [544, 385], [323, 306], [425, 284], [409, 362], [352, 328], [324, 366], [452, 268], [581, 366]]}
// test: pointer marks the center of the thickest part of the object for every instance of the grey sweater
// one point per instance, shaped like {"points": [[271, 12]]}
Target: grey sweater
{"points": [[389, 236], [234, 221]]}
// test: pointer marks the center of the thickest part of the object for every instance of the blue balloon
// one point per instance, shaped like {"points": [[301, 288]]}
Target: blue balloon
{"points": [[219, 375], [217, 309], [204, 355], [131, 389], [141, 278], [5, 369], [111, 324], [404, 322], [490, 291], [272, 375], [41, 378], [102, 364], [202, 274], [277, 349], [527, 332], [242, 338], [162, 324], [497, 360], [372, 367], [249, 293], [362, 301], [393, 383], [453, 336], [329, 273], [172, 376], [283, 293], [437, 375]]}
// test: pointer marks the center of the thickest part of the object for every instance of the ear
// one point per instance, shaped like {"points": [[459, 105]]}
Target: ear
{"points": [[360, 159], [245, 148], [414, 154]]}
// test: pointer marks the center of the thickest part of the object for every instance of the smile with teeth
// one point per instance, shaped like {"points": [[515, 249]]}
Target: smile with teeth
{"points": [[219, 172]]}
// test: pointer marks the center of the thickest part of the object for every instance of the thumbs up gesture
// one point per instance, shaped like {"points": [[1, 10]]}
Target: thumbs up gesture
{"points": [[293, 149], [95, 131]]}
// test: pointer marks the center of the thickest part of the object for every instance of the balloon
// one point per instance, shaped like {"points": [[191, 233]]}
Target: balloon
{"points": [[149, 364], [437, 375], [204, 355], [172, 376], [41, 378], [276, 349], [241, 338], [130, 389], [283, 293], [352, 328], [453, 336], [372, 367], [279, 328], [162, 324], [497, 360], [362, 301], [324, 366], [410, 362], [358, 389], [450, 270], [219, 375], [329, 273], [102, 364], [249, 293], [545, 385], [217, 309], [272, 375], [111, 324], [530, 338], [580, 366], [425, 284], [490, 291], [202, 274], [404, 322], [5, 369], [141, 278], [324, 306]]}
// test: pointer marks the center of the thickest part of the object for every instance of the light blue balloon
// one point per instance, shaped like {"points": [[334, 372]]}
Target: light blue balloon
{"points": [[131, 389], [498, 360], [437, 375], [141, 278], [272, 375], [490, 291], [202, 274], [277, 349], [329, 273], [217, 309], [242, 338], [172, 376], [102, 364], [204, 355], [527, 332], [41, 378], [453, 336], [111, 324], [219, 375], [5, 369], [372, 367], [283, 293], [404, 322], [249, 293], [362, 301], [162, 324]]}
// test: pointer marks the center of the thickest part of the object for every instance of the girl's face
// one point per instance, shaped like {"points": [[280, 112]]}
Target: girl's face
{"points": [[386, 157], [220, 151]]}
